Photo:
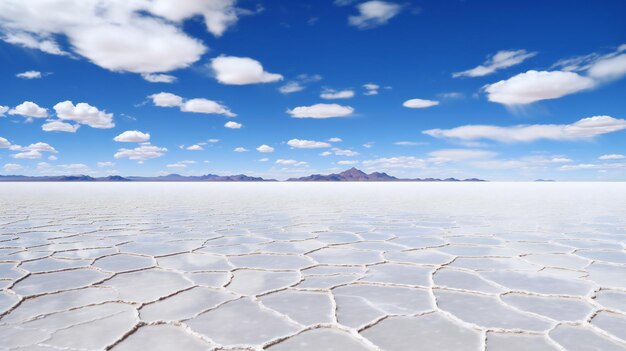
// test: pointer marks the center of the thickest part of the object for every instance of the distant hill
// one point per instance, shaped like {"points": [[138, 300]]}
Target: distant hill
{"points": [[117, 178], [350, 175], [356, 175]]}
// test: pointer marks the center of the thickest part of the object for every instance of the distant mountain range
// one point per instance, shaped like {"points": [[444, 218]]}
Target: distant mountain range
{"points": [[356, 175], [350, 175]]}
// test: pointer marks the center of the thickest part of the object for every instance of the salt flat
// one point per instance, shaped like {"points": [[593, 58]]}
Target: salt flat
{"points": [[313, 266]]}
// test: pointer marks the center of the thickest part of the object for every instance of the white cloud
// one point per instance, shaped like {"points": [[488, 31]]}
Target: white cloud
{"points": [[344, 152], [264, 159], [532, 86], [233, 125], [420, 103], [265, 148], [299, 83], [83, 113], [347, 162], [291, 87], [395, 162], [374, 13], [307, 144], [12, 167], [141, 153], [105, 164], [30, 154], [166, 100], [240, 149], [241, 71], [31, 42], [52, 158], [608, 68], [213, 140], [459, 155], [132, 136], [29, 75], [134, 35], [290, 162], [29, 109], [330, 94], [502, 59], [586, 128], [4, 143], [177, 165], [335, 140], [371, 89], [198, 105], [158, 78], [408, 143], [195, 147], [3, 110], [369, 145], [612, 157], [32, 151], [59, 126], [321, 111], [206, 106], [326, 153]]}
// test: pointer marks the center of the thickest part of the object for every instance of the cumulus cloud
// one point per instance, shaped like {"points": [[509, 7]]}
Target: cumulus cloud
{"points": [[502, 59], [133, 36], [344, 152], [141, 153], [532, 86], [374, 13], [158, 78], [206, 106], [307, 144], [12, 167], [4, 143], [32, 151], [29, 75], [330, 94], [371, 89], [321, 111], [240, 149], [335, 140], [233, 125], [3, 110], [576, 75], [291, 87], [195, 147], [612, 157], [132, 136], [29, 109], [241, 71], [265, 148], [586, 128], [59, 126], [197, 105], [420, 103], [163, 99], [83, 113], [408, 143], [407, 162]]}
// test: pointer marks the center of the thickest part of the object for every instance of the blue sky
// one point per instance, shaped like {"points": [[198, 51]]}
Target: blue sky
{"points": [[500, 90]]}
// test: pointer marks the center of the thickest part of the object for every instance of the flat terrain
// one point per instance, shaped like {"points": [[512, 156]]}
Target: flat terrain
{"points": [[313, 266]]}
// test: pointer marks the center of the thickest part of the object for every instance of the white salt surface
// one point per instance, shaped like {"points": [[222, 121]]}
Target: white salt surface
{"points": [[313, 266]]}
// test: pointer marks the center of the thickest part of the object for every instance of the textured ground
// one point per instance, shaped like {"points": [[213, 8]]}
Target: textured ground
{"points": [[313, 266]]}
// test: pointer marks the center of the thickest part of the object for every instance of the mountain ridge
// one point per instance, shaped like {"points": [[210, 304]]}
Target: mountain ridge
{"points": [[350, 175]]}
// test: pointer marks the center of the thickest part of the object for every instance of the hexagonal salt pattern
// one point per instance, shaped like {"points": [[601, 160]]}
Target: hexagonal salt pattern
{"points": [[400, 266]]}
